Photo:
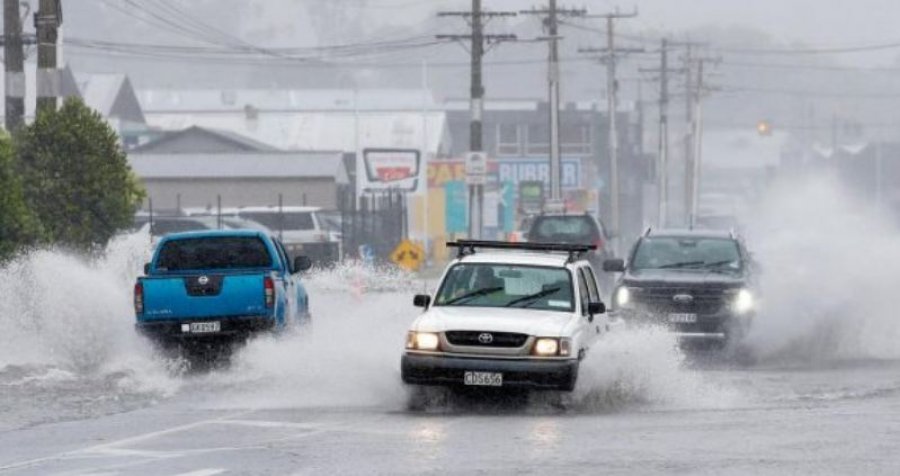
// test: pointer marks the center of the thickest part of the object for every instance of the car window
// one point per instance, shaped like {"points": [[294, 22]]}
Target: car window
{"points": [[293, 221], [564, 229], [591, 283], [585, 295], [503, 285], [211, 253], [286, 264], [687, 252]]}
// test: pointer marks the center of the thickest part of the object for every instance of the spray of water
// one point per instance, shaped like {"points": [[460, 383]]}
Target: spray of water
{"points": [[66, 332], [829, 266], [644, 366]]}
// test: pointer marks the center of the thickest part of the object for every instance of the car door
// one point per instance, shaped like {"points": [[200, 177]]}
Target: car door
{"points": [[601, 321], [587, 331], [285, 281]]}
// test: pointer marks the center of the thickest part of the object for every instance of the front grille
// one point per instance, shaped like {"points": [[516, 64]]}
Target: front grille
{"points": [[479, 339], [662, 299]]}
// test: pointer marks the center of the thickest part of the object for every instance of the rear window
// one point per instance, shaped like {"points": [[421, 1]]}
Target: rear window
{"points": [[214, 253], [564, 229], [291, 220]]}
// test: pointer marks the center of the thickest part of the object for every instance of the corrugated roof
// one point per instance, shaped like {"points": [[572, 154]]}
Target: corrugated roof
{"points": [[256, 165], [210, 100]]}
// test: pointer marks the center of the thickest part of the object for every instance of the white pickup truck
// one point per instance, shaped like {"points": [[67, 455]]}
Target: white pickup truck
{"points": [[507, 315]]}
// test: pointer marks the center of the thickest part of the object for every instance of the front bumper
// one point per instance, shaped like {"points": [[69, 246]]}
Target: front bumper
{"points": [[720, 327], [423, 369], [231, 328]]}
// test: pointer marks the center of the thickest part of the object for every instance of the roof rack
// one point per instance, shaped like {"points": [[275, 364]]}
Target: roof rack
{"points": [[467, 247], [647, 231]]}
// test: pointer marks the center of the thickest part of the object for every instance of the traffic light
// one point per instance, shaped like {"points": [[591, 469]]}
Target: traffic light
{"points": [[764, 128]]}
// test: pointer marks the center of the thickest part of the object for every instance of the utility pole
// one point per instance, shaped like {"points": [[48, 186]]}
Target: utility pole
{"points": [[46, 22], [552, 13], [479, 40], [689, 135], [15, 65], [612, 89], [662, 168]]}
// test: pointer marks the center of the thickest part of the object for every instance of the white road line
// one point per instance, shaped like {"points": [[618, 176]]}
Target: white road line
{"points": [[203, 472], [113, 444]]}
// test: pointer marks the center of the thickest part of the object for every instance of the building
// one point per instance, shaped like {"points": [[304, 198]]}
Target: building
{"points": [[516, 138], [206, 168]]}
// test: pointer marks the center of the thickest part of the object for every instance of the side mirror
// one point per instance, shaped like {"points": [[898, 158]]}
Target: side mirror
{"points": [[146, 268], [422, 300], [614, 266], [302, 263], [595, 308]]}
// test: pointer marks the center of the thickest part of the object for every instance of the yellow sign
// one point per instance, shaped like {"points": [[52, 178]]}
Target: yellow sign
{"points": [[408, 255]]}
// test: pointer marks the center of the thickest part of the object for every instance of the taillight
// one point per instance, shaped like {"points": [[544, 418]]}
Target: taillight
{"points": [[269, 287], [139, 298]]}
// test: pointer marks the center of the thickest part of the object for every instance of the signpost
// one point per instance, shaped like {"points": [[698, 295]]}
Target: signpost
{"points": [[476, 177], [408, 255]]}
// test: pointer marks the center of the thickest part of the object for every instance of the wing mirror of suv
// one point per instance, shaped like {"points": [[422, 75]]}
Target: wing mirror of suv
{"points": [[302, 263], [614, 266], [146, 269], [595, 308], [422, 300]]}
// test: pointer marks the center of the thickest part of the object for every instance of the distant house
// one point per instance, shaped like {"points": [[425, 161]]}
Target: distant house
{"points": [[200, 167], [340, 120], [110, 94]]}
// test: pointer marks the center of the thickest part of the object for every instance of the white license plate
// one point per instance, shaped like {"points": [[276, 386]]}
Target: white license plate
{"points": [[682, 318], [483, 379], [205, 327]]}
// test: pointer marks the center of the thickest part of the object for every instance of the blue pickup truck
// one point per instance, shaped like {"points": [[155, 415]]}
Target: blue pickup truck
{"points": [[221, 285]]}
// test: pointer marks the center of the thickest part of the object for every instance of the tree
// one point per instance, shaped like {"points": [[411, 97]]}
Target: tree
{"points": [[18, 227], [76, 177]]}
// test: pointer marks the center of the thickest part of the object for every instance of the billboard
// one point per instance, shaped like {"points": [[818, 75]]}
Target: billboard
{"points": [[389, 169]]}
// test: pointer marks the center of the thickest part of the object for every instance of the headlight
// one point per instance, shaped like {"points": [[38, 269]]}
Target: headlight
{"points": [[623, 297], [546, 346], [422, 341], [743, 302]]}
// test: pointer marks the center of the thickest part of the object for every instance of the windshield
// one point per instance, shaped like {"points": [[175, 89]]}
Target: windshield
{"points": [[283, 221], [214, 253], [564, 229], [498, 285], [687, 253]]}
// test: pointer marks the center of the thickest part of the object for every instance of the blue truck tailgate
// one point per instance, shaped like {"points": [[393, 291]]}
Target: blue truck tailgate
{"points": [[203, 296]]}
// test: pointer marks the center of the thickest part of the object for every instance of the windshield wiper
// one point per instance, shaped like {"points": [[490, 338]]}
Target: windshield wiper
{"points": [[716, 264], [683, 264], [474, 294], [532, 297]]}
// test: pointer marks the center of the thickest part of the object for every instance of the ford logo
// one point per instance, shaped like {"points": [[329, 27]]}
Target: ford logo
{"points": [[485, 338], [683, 298], [203, 280]]}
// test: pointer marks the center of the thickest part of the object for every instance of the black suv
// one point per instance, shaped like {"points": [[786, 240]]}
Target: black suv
{"points": [[698, 283], [580, 229]]}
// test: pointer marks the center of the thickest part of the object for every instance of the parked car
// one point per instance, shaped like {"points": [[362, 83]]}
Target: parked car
{"points": [[698, 283], [221, 286], [579, 229], [301, 229], [507, 315]]}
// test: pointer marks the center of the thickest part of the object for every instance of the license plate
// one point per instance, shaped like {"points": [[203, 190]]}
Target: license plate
{"points": [[484, 379], [682, 318], [205, 327]]}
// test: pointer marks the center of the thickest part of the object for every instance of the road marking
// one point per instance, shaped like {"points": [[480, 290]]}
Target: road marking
{"points": [[203, 472]]}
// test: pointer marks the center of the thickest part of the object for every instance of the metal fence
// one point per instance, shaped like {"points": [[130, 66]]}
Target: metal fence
{"points": [[372, 228]]}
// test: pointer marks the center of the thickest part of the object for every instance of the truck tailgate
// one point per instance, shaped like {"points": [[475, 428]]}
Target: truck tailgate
{"points": [[203, 296]]}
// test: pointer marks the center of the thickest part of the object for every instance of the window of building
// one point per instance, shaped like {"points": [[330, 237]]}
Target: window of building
{"points": [[538, 139], [575, 139], [508, 140]]}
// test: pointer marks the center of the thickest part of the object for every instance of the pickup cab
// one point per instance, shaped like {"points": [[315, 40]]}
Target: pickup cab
{"points": [[219, 285]]}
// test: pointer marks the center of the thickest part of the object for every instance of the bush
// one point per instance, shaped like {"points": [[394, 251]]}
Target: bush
{"points": [[18, 227], [76, 177]]}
